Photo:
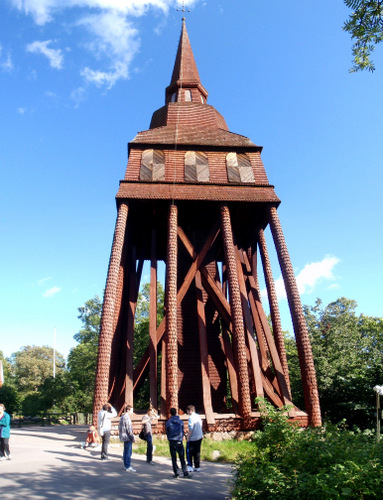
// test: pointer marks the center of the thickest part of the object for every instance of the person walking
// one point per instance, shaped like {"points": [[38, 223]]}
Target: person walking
{"points": [[147, 430], [125, 433], [175, 435], [194, 437], [104, 427], [5, 433]]}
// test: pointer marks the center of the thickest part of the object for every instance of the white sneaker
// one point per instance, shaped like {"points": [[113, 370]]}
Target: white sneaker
{"points": [[2, 458], [9, 457], [130, 469], [189, 468], [198, 469]]}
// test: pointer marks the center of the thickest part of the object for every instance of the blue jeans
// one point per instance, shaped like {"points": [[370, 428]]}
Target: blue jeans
{"points": [[127, 453], [149, 447]]}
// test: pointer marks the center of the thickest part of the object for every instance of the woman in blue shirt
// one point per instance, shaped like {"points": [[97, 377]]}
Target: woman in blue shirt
{"points": [[5, 432]]}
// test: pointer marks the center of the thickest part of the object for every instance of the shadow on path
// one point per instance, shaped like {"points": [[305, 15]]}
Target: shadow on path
{"points": [[47, 463]]}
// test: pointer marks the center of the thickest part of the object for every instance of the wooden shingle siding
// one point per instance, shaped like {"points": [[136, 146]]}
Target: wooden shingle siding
{"points": [[152, 165], [239, 168], [196, 167]]}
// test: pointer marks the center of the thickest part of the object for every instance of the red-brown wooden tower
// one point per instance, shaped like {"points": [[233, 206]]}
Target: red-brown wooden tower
{"points": [[196, 196]]}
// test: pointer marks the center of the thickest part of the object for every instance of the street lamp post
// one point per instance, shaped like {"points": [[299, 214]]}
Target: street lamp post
{"points": [[379, 392]]}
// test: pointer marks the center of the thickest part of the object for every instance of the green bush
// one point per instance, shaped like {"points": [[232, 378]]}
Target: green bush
{"points": [[9, 397], [315, 463]]}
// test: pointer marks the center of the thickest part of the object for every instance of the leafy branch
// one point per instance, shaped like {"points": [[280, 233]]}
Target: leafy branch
{"points": [[365, 26]]}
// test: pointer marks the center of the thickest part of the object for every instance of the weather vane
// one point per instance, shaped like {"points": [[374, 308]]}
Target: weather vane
{"points": [[183, 9]]}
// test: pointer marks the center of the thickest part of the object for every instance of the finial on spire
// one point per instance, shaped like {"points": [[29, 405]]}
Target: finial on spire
{"points": [[183, 9]]}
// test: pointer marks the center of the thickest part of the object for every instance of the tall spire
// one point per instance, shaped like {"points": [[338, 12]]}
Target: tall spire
{"points": [[185, 84]]}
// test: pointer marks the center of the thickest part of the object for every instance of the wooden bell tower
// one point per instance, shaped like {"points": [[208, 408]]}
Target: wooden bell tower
{"points": [[196, 196]]}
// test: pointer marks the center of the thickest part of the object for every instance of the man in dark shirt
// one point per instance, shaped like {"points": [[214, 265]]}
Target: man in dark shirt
{"points": [[175, 434]]}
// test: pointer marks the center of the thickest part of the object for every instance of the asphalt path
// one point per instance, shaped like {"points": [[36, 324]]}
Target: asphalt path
{"points": [[48, 462]]}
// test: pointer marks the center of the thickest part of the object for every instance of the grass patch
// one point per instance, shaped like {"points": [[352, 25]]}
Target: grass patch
{"points": [[211, 451]]}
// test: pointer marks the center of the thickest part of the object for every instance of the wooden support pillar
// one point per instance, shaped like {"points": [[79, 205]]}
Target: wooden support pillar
{"points": [[163, 380], [153, 323], [206, 391], [107, 317], [274, 309], [231, 368], [262, 325], [255, 361], [171, 313], [306, 360], [132, 302], [236, 314], [134, 286], [253, 259]]}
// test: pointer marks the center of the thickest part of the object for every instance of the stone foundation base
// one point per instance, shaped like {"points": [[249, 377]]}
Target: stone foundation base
{"points": [[226, 425]]}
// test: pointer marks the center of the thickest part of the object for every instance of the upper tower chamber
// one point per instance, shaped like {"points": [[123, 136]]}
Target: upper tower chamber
{"points": [[197, 197]]}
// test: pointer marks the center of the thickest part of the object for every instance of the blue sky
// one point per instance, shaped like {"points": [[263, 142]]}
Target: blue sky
{"points": [[80, 78]]}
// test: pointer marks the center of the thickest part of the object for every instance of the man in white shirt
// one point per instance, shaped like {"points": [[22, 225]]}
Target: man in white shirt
{"points": [[194, 437], [104, 427]]}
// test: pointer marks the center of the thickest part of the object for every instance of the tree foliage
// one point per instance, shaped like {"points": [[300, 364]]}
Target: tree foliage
{"points": [[10, 398], [348, 356], [365, 26], [319, 463], [82, 359], [141, 320], [32, 365], [141, 334]]}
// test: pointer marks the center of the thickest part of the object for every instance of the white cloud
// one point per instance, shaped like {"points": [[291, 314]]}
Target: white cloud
{"points": [[310, 276], [43, 280], [334, 286], [54, 56], [6, 63], [43, 11], [315, 272], [112, 35], [52, 291], [115, 37], [78, 95]]}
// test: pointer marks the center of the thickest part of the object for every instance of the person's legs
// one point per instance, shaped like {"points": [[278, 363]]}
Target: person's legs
{"points": [[149, 448], [188, 458], [2, 448], [173, 454], [181, 454], [105, 443], [6, 447], [127, 454], [192, 452], [197, 453]]}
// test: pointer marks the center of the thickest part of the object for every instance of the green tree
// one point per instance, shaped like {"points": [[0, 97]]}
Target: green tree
{"points": [[324, 463], [348, 356], [32, 365], [6, 368], [82, 359], [56, 394], [90, 315], [9, 397], [141, 321], [141, 334], [365, 26]]}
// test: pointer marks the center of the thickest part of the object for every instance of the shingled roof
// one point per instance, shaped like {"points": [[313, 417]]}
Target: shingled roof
{"points": [[186, 119]]}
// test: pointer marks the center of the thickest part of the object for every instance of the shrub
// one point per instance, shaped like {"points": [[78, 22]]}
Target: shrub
{"points": [[9, 397], [315, 463]]}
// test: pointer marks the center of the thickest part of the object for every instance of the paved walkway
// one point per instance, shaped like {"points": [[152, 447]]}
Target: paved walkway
{"points": [[47, 462]]}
